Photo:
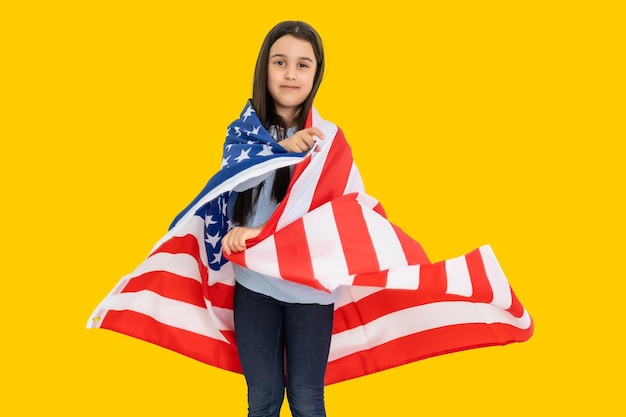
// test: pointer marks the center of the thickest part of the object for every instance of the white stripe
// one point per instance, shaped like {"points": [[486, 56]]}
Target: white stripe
{"points": [[180, 264], [355, 182], [384, 239], [366, 200], [223, 317], [263, 258], [405, 278], [458, 277], [225, 275], [418, 319], [170, 312], [351, 295], [327, 257], [499, 284]]}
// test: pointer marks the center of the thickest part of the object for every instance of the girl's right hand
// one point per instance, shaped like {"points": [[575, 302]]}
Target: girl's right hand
{"points": [[235, 239], [303, 140]]}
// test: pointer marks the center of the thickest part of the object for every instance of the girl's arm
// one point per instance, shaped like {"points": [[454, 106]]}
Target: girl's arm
{"points": [[235, 239]]}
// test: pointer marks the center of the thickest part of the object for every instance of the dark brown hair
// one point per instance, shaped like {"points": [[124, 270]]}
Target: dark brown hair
{"points": [[265, 108]]}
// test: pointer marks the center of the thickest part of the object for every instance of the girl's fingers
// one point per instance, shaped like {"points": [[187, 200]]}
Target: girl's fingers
{"points": [[315, 131]]}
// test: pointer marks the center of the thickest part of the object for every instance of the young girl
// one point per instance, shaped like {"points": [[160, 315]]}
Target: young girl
{"points": [[283, 251], [283, 329]]}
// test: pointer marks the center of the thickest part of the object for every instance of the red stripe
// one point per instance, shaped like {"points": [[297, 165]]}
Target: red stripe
{"points": [[294, 257], [413, 251], [180, 244], [335, 173], [378, 208], [220, 295], [372, 279], [168, 285], [354, 234], [433, 278], [423, 345], [202, 348]]}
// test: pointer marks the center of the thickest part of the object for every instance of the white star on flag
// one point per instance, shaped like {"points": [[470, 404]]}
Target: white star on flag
{"points": [[218, 257], [212, 240], [248, 113], [267, 150], [254, 131], [243, 155]]}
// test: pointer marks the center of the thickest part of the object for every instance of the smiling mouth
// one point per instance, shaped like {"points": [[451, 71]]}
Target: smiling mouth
{"points": [[289, 87]]}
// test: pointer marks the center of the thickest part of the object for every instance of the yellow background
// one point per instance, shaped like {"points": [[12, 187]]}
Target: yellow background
{"points": [[472, 122]]}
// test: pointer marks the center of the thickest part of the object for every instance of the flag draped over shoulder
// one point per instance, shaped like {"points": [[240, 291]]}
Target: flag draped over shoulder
{"points": [[395, 306]]}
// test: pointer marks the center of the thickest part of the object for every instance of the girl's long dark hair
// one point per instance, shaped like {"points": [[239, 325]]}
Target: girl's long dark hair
{"points": [[266, 111]]}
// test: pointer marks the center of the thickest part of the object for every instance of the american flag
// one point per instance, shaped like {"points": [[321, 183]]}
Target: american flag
{"points": [[395, 306]]}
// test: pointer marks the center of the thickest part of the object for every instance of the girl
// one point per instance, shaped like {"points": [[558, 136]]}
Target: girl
{"points": [[283, 329], [327, 234]]}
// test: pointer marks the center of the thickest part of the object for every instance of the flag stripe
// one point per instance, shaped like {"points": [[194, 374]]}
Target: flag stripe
{"points": [[294, 260], [266, 261], [181, 264], [190, 343], [462, 285], [497, 281], [412, 249], [361, 255], [335, 172], [481, 290], [327, 257], [168, 285]]}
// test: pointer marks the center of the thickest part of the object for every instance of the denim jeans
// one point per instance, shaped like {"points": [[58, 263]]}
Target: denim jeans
{"points": [[282, 346]]}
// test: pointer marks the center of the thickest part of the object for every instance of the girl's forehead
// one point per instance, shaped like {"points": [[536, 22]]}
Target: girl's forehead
{"points": [[290, 45]]}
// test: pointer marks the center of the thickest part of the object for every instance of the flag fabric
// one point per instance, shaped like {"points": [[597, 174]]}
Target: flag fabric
{"points": [[394, 306]]}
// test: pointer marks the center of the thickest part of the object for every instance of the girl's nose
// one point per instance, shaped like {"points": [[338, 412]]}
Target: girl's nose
{"points": [[290, 73]]}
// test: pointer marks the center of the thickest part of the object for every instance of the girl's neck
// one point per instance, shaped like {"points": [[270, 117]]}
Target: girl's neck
{"points": [[289, 116]]}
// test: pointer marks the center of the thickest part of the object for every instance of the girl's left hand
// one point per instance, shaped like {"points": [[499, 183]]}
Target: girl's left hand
{"points": [[235, 239]]}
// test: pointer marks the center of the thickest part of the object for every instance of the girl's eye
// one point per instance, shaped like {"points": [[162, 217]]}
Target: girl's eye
{"points": [[280, 63], [303, 65]]}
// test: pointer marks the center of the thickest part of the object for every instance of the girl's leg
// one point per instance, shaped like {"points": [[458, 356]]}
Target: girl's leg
{"points": [[259, 334], [308, 328]]}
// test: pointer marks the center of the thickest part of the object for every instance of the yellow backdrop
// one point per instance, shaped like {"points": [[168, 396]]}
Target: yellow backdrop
{"points": [[472, 122]]}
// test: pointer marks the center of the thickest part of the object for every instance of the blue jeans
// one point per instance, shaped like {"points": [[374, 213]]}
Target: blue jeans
{"points": [[272, 335]]}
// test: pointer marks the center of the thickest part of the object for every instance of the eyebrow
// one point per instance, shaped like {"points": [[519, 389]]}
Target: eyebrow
{"points": [[306, 58]]}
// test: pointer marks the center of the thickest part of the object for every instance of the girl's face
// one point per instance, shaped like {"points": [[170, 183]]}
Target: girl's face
{"points": [[292, 67]]}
